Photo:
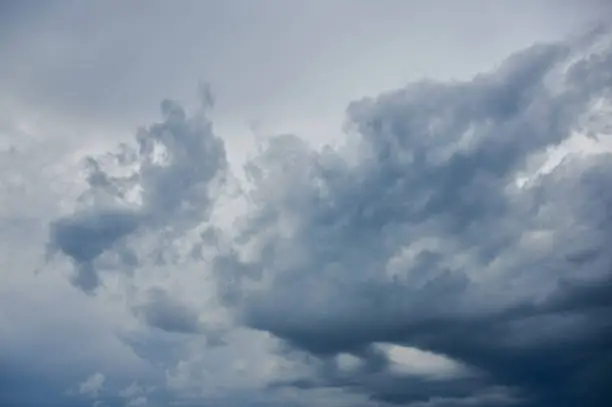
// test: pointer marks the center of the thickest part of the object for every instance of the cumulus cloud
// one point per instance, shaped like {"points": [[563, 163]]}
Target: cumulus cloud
{"points": [[166, 186], [417, 233], [452, 252]]}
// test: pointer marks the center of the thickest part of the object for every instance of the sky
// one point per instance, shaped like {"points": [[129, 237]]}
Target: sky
{"points": [[288, 203]]}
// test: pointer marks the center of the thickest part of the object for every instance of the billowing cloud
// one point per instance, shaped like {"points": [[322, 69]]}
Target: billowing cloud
{"points": [[449, 250], [167, 187], [419, 233]]}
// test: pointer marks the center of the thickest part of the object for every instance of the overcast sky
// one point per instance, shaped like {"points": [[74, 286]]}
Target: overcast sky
{"points": [[297, 203]]}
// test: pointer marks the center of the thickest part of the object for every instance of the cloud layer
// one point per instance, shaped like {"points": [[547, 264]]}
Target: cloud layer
{"points": [[452, 252]]}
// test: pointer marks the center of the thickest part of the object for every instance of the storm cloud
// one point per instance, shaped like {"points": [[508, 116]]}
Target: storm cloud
{"points": [[419, 233], [442, 243]]}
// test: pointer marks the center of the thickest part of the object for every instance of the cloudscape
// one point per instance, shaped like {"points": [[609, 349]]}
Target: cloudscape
{"points": [[283, 203]]}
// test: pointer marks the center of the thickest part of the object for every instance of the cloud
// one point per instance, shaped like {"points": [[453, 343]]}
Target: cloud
{"points": [[166, 186], [417, 233], [165, 313], [92, 385], [452, 252], [85, 236], [136, 395]]}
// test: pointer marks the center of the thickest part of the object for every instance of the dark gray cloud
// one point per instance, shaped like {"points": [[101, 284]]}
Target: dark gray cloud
{"points": [[418, 234], [84, 236], [163, 312], [176, 161], [375, 377]]}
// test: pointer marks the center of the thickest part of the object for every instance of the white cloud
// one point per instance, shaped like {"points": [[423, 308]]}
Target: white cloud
{"points": [[408, 360], [92, 385]]}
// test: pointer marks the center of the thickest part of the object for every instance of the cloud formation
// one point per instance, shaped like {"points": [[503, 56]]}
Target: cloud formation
{"points": [[453, 251], [418, 233], [170, 172]]}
